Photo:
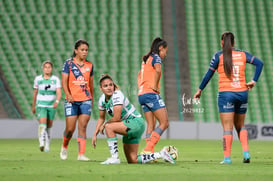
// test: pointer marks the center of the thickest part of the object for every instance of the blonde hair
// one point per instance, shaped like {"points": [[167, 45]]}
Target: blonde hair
{"points": [[47, 62]]}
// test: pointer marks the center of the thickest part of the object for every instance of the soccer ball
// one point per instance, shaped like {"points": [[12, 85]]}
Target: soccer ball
{"points": [[173, 151]]}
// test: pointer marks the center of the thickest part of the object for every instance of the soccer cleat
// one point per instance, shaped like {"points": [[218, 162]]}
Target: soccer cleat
{"points": [[246, 157], [166, 156], [226, 161], [83, 158], [111, 161], [63, 153], [42, 148]]}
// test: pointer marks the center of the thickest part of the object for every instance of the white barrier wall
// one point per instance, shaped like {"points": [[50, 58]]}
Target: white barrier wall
{"points": [[10, 128]]}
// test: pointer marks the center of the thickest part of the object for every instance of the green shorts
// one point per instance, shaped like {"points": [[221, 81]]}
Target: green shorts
{"points": [[45, 112], [136, 128]]}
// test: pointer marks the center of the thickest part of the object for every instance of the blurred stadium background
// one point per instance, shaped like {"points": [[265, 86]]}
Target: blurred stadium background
{"points": [[119, 33]]}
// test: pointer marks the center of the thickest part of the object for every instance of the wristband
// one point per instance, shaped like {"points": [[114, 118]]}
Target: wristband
{"points": [[57, 101]]}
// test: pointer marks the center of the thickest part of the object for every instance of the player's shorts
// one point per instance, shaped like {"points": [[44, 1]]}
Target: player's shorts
{"points": [[77, 108], [151, 102], [232, 102], [136, 127], [45, 112]]}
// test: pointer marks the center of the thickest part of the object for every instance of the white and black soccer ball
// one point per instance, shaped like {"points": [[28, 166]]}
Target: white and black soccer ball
{"points": [[173, 151]]}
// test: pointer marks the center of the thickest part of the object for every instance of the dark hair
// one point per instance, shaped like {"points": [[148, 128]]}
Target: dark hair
{"points": [[77, 44], [228, 42], [157, 42], [47, 62], [106, 76]]}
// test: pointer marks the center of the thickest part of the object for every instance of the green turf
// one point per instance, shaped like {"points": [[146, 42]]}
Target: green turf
{"points": [[198, 160]]}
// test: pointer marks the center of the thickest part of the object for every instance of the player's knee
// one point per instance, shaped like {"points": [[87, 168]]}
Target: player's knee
{"points": [[108, 127], [164, 125], [69, 133]]}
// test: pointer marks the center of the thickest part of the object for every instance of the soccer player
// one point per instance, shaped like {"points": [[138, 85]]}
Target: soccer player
{"points": [[149, 93], [77, 83], [127, 121], [46, 96], [233, 91]]}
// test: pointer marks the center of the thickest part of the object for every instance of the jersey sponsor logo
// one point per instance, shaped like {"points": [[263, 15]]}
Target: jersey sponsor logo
{"points": [[236, 55], [76, 72], [68, 111], [150, 105], [229, 105], [74, 68], [47, 87], [110, 111], [116, 100], [80, 81], [243, 105], [161, 102]]}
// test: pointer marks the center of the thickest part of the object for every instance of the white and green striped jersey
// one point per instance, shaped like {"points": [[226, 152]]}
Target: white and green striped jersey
{"points": [[118, 99], [46, 90]]}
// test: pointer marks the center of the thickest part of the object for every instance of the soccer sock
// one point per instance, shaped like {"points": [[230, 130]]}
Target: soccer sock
{"points": [[148, 137], [145, 158], [242, 133], [66, 140], [113, 146], [48, 130], [155, 136], [227, 142], [81, 143], [42, 133]]}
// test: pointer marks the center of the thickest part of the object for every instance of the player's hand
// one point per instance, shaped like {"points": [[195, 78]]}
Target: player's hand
{"points": [[70, 99], [250, 85], [197, 95], [94, 141], [102, 129], [55, 105], [156, 89], [33, 110]]}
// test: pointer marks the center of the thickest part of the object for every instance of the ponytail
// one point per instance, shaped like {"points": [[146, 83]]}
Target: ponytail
{"points": [[157, 42], [228, 42]]}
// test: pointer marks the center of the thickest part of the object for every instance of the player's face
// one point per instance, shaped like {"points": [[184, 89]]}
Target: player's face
{"points": [[163, 52], [82, 51], [47, 69], [107, 87]]}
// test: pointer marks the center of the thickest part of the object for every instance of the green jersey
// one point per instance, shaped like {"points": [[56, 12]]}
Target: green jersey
{"points": [[118, 99], [46, 90]]}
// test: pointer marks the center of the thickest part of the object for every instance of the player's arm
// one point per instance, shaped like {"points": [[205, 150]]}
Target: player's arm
{"points": [[213, 67], [117, 114], [259, 67], [34, 98], [65, 87], [158, 72], [91, 85], [58, 97], [98, 126]]}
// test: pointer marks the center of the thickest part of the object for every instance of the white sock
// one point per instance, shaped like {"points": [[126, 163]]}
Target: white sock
{"points": [[113, 146], [145, 158], [42, 134], [48, 130]]}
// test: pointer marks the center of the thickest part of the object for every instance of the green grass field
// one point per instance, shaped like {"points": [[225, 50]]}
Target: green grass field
{"points": [[198, 160]]}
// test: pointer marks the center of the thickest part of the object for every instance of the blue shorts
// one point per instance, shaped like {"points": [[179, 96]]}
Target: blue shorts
{"points": [[232, 102], [77, 108], [151, 102]]}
